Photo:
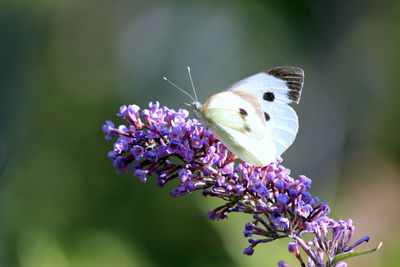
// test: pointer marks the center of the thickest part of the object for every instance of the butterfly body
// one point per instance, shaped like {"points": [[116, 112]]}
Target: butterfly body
{"points": [[252, 117]]}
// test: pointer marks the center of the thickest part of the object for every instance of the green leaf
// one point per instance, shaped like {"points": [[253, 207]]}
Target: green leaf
{"points": [[343, 256]]}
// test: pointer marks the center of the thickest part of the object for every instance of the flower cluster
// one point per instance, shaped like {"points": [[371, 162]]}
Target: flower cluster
{"points": [[161, 142]]}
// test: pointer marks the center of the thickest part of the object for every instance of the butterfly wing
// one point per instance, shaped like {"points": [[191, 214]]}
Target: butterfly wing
{"points": [[237, 119], [283, 84], [275, 89]]}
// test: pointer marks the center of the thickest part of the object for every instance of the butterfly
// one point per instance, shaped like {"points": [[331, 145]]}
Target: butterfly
{"points": [[252, 117]]}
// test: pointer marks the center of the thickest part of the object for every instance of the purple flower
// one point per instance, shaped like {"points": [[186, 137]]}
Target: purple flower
{"points": [[188, 155], [293, 193], [306, 197], [174, 146], [304, 210], [249, 251], [150, 156], [211, 157], [162, 151], [162, 143], [152, 133], [227, 169], [282, 264], [154, 115], [176, 133], [280, 185], [141, 175], [184, 174], [292, 247], [154, 108], [137, 152], [221, 181], [119, 162], [283, 223], [109, 130], [130, 114], [282, 199], [139, 134], [123, 110], [197, 143], [270, 176], [261, 189], [305, 181], [180, 117], [216, 215], [133, 112]]}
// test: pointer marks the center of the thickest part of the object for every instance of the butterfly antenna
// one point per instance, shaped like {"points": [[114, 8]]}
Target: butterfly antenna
{"points": [[191, 81], [180, 89]]}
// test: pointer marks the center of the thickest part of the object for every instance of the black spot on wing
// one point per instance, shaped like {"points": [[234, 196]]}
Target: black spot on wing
{"points": [[243, 112], [267, 117], [269, 96]]}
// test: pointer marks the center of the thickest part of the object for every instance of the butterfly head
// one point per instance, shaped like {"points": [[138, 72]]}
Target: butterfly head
{"points": [[196, 108], [195, 105]]}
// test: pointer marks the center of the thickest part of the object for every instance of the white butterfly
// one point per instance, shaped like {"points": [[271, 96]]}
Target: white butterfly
{"points": [[252, 117]]}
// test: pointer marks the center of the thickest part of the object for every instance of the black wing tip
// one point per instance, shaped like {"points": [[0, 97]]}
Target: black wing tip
{"points": [[294, 78], [294, 96], [286, 70]]}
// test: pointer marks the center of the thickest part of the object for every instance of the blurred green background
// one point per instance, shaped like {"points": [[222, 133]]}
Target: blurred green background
{"points": [[67, 66]]}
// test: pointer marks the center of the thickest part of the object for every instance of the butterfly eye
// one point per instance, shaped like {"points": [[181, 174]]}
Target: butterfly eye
{"points": [[269, 96]]}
